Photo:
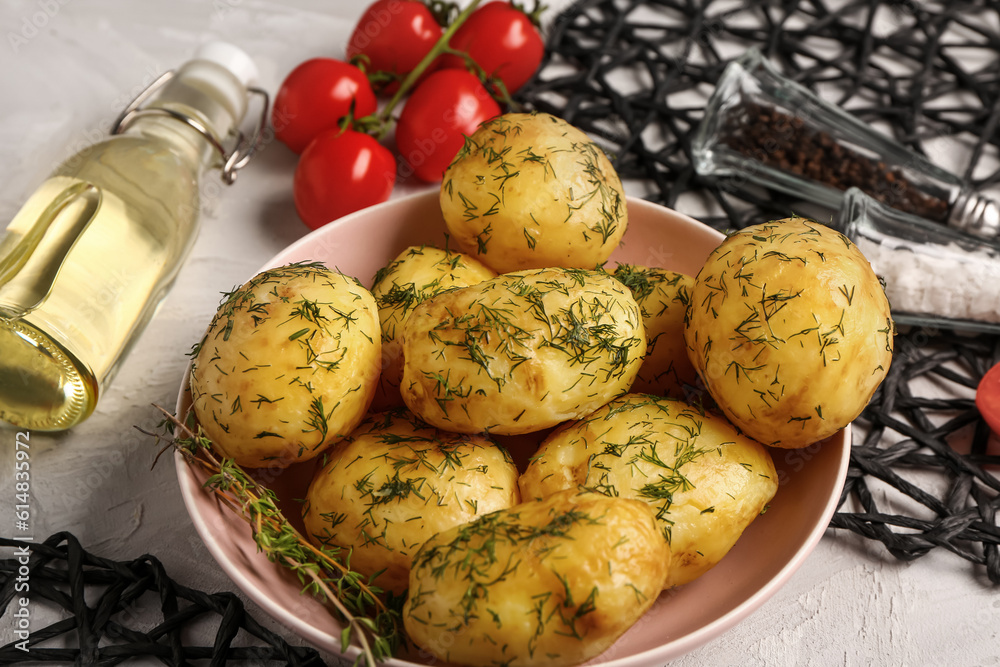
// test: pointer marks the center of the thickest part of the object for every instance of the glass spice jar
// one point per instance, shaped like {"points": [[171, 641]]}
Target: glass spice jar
{"points": [[933, 275], [760, 127]]}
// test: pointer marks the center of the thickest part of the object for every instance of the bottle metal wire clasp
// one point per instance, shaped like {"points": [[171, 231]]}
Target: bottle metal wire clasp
{"points": [[232, 160]]}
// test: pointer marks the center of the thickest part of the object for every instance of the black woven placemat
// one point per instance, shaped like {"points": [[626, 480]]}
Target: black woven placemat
{"points": [[105, 607], [670, 53], [926, 71], [930, 451]]}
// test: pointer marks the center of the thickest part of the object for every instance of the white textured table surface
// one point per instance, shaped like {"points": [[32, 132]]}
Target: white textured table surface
{"points": [[66, 69]]}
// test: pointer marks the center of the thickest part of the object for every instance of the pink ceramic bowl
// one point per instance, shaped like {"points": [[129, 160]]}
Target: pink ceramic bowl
{"points": [[682, 619]]}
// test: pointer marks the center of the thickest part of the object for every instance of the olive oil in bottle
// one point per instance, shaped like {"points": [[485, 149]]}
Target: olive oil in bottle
{"points": [[87, 260]]}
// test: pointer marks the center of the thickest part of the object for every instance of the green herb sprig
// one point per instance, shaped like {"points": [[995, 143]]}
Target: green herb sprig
{"points": [[370, 617]]}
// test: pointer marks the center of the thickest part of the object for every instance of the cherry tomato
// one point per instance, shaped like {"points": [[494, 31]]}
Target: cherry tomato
{"points": [[503, 40], [449, 105], [339, 172], [988, 398], [316, 96], [395, 35]]}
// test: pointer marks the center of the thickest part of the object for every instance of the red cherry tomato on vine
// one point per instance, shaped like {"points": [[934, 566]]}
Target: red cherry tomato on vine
{"points": [[988, 398], [440, 112], [315, 96], [395, 35], [340, 172], [503, 40]]}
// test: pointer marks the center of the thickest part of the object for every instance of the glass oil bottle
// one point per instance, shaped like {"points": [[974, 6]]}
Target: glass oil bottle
{"points": [[87, 260]]}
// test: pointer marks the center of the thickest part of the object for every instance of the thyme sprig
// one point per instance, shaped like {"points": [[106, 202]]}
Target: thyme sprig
{"points": [[369, 617]]}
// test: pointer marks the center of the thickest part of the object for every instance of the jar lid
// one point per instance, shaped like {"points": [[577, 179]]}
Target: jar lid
{"points": [[232, 58]]}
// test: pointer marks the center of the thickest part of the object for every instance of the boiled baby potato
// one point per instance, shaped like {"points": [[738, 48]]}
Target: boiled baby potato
{"points": [[530, 191], [706, 481], [790, 330], [415, 274], [521, 352], [663, 297], [288, 366], [394, 483], [550, 582]]}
